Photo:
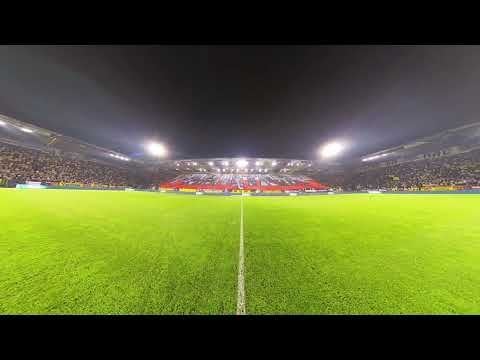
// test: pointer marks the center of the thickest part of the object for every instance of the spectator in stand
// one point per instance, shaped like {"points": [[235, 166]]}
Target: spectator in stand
{"points": [[20, 164], [462, 169]]}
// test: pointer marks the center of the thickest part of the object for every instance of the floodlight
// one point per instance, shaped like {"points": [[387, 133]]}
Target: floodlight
{"points": [[225, 163], [2, 123], [374, 157], [157, 149], [26, 130], [274, 163], [210, 163], [331, 149], [242, 163], [258, 163], [194, 163]]}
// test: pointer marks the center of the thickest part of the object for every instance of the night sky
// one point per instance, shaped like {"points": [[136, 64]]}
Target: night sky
{"points": [[265, 101]]}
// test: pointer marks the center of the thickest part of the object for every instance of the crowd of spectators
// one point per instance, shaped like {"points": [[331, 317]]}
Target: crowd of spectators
{"points": [[239, 180], [455, 170], [18, 165]]}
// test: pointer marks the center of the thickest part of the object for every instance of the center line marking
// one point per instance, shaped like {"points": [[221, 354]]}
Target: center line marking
{"points": [[241, 268]]}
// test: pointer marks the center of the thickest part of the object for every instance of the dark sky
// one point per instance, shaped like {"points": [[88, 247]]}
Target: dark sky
{"points": [[213, 101]]}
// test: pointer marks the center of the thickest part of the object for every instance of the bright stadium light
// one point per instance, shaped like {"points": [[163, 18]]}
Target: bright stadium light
{"points": [[242, 163], [331, 149], [157, 149], [274, 163], [210, 163], [375, 157], [26, 130], [225, 163], [258, 163], [2, 123]]}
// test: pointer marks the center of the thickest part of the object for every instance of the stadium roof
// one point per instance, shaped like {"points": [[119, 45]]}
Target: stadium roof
{"points": [[459, 139], [20, 133]]}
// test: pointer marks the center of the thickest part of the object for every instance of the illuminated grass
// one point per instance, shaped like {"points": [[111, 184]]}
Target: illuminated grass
{"points": [[86, 252], [363, 254], [115, 252]]}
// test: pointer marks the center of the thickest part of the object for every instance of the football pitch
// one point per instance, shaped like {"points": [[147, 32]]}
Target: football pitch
{"points": [[101, 252]]}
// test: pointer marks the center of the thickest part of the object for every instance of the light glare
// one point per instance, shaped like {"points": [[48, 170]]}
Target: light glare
{"points": [[156, 149], [242, 163], [332, 149]]}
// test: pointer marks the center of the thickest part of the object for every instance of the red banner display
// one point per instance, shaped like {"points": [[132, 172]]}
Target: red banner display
{"points": [[301, 186]]}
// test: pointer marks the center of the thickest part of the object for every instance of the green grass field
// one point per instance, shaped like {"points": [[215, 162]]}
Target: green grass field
{"points": [[94, 252]]}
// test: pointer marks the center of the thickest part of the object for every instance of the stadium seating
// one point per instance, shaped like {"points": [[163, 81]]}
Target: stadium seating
{"points": [[461, 171], [18, 164], [444, 171], [231, 182]]}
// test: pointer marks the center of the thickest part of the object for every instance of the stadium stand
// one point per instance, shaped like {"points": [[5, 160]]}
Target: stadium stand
{"points": [[18, 165], [31, 153], [230, 182], [449, 160], [456, 171]]}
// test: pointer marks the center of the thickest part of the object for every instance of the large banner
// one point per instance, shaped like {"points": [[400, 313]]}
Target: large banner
{"points": [[31, 185], [443, 187]]}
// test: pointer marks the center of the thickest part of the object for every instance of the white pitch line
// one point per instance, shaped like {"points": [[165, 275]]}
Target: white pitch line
{"points": [[241, 268]]}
